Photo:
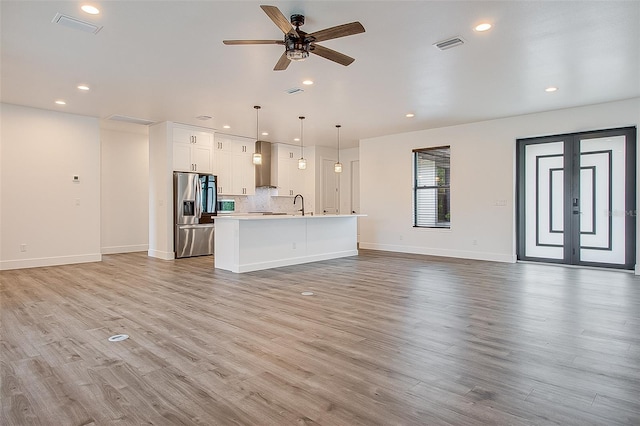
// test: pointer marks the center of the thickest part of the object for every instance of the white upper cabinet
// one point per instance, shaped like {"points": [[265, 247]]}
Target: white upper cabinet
{"points": [[192, 150], [285, 175], [232, 163]]}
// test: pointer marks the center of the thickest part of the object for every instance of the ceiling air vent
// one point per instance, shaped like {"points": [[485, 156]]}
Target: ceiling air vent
{"points": [[449, 43], [126, 119], [294, 90], [75, 23]]}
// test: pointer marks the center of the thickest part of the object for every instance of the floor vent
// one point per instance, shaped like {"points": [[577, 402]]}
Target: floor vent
{"points": [[126, 119], [449, 43], [75, 23]]}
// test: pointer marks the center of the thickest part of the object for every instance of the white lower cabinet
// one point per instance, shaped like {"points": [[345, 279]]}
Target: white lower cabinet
{"points": [[285, 175], [232, 163]]}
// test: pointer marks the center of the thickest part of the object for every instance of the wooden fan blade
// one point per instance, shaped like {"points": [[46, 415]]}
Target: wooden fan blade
{"points": [[232, 42], [336, 32], [279, 19], [282, 63], [331, 55]]}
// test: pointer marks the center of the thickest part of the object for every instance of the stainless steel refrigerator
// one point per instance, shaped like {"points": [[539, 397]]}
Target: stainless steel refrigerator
{"points": [[195, 202]]}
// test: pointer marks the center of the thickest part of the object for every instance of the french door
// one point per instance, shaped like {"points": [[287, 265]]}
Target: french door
{"points": [[576, 198]]}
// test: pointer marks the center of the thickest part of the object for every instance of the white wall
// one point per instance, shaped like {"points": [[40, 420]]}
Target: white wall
{"points": [[161, 191], [125, 188], [347, 157], [58, 220], [483, 173]]}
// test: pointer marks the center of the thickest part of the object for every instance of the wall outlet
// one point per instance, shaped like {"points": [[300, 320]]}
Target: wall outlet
{"points": [[474, 242], [401, 237], [23, 248], [294, 246], [77, 201]]}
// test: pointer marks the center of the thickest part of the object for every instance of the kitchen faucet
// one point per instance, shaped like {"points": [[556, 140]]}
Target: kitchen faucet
{"points": [[302, 199]]}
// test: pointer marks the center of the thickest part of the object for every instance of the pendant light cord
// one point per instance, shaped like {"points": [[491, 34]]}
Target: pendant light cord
{"points": [[257, 107], [301, 137], [338, 127]]}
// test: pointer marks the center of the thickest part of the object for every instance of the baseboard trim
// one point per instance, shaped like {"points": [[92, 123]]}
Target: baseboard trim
{"points": [[6, 265], [125, 249], [460, 254], [164, 255]]}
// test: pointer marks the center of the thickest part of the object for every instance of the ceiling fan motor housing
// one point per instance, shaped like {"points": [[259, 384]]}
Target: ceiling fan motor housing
{"points": [[297, 20]]}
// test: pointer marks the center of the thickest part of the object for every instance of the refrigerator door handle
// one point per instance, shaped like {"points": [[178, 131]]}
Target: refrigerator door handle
{"points": [[198, 200]]}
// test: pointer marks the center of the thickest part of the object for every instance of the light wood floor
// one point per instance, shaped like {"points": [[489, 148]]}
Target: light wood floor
{"points": [[387, 339]]}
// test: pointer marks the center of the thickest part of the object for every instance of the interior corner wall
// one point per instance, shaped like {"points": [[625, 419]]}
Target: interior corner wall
{"points": [[125, 190], [47, 218], [483, 176]]}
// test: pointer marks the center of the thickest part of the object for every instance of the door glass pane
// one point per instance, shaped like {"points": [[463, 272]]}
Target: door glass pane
{"points": [[544, 200], [602, 200]]}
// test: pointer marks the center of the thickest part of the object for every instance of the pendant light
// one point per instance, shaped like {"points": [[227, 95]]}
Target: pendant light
{"points": [[257, 156], [302, 163], [338, 166]]}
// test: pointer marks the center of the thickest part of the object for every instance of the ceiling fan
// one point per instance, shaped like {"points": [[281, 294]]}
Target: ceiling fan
{"points": [[298, 44]]}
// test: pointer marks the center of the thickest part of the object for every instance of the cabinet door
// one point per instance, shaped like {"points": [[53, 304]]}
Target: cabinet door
{"points": [[203, 139], [223, 171], [285, 173], [243, 171], [282, 178], [297, 178], [201, 158], [181, 135], [182, 157]]}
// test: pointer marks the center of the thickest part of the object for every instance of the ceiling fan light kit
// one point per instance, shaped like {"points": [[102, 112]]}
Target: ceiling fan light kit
{"points": [[298, 44]]}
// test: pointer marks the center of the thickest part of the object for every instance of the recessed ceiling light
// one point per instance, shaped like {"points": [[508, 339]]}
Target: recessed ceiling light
{"points": [[296, 139], [308, 82], [226, 126], [83, 87], [483, 27], [61, 102], [265, 133], [551, 89], [410, 115], [91, 10]]}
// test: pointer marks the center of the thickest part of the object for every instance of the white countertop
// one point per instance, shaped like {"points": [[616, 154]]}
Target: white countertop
{"points": [[283, 216]]}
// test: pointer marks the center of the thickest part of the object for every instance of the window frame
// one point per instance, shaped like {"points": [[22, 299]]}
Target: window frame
{"points": [[416, 189]]}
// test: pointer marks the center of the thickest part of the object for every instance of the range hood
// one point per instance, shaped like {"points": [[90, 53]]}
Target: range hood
{"points": [[263, 171]]}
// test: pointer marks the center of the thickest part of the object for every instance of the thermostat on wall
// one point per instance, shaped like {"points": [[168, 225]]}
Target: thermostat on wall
{"points": [[76, 178]]}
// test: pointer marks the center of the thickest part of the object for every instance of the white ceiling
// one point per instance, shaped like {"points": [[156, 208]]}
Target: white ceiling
{"points": [[164, 60]]}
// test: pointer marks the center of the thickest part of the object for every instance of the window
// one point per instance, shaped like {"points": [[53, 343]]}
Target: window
{"points": [[431, 192]]}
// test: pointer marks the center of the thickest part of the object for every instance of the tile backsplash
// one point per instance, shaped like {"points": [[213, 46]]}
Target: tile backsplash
{"points": [[263, 201]]}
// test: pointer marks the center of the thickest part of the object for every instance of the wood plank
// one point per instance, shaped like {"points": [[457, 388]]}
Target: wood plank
{"points": [[386, 339]]}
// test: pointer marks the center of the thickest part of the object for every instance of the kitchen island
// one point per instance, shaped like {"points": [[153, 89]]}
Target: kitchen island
{"points": [[255, 242]]}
